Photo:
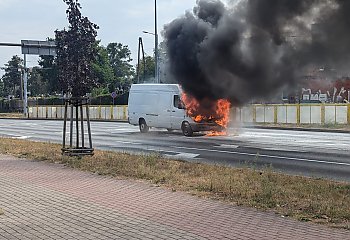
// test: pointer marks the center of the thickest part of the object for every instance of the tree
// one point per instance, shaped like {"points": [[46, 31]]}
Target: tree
{"points": [[120, 57], [1, 88], [103, 69], [37, 84], [76, 52], [49, 73], [148, 74], [12, 78]]}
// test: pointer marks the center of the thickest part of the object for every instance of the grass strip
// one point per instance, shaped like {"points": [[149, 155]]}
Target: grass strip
{"points": [[11, 115], [306, 199]]}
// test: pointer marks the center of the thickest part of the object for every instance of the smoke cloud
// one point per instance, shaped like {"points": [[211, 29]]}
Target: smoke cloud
{"points": [[252, 48]]}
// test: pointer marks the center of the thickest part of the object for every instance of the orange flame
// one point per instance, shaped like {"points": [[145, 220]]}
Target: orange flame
{"points": [[207, 110]]}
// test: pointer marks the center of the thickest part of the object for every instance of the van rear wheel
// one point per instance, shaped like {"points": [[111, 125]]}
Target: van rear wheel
{"points": [[143, 126], [186, 129]]}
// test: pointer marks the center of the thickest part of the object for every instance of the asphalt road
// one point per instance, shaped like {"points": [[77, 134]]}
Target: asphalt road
{"points": [[316, 154]]}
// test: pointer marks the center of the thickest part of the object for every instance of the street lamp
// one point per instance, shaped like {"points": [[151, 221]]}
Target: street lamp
{"points": [[148, 33], [156, 41], [156, 56], [155, 34]]}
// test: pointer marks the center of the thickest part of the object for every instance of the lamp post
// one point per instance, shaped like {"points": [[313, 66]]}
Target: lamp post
{"points": [[156, 41], [155, 34], [156, 57]]}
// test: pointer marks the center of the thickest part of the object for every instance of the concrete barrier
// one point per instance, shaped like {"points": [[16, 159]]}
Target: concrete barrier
{"points": [[96, 112], [259, 113], [295, 113]]}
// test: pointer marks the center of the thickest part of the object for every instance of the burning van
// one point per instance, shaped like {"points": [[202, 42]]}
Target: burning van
{"points": [[166, 106]]}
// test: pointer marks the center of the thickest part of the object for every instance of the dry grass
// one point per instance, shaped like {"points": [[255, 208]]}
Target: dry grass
{"points": [[306, 199], [11, 115]]}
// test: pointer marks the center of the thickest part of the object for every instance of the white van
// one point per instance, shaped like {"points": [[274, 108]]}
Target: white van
{"points": [[160, 106]]}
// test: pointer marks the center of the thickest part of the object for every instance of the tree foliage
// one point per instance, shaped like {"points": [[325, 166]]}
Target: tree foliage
{"points": [[102, 68], [11, 80], [147, 74], [120, 57], [76, 52], [37, 85], [49, 73], [1, 88]]}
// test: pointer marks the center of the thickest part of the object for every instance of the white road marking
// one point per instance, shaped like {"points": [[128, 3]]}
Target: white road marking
{"points": [[23, 137], [264, 155], [16, 136], [284, 149], [182, 155], [227, 146]]}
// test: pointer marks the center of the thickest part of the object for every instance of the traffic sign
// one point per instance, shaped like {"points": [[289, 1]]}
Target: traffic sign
{"points": [[113, 94], [33, 47]]}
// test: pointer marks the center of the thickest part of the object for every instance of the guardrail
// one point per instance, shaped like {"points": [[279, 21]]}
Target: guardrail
{"points": [[96, 112], [258, 113]]}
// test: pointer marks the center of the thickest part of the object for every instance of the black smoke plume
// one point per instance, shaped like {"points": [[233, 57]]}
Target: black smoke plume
{"points": [[252, 48]]}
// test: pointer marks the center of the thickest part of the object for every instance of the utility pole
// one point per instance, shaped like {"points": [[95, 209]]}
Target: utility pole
{"points": [[156, 43], [25, 85]]}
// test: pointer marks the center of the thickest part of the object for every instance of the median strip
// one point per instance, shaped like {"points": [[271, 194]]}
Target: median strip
{"points": [[303, 198]]}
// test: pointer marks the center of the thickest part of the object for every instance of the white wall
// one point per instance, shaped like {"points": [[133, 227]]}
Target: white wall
{"points": [[96, 112], [283, 113]]}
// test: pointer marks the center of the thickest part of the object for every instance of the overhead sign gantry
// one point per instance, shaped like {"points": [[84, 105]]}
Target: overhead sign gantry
{"points": [[32, 47]]}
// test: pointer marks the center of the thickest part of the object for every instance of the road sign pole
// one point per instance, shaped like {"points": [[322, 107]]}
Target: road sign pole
{"points": [[25, 83]]}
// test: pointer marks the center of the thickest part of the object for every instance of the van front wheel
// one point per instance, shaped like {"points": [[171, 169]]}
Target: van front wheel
{"points": [[143, 126], [186, 129]]}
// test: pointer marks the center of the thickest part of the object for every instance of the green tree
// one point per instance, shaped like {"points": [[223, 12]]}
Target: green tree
{"points": [[37, 84], [1, 88], [120, 59], [12, 77], [103, 69], [147, 74], [49, 73]]}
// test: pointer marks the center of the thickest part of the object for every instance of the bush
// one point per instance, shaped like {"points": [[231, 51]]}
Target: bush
{"points": [[99, 100], [108, 100]]}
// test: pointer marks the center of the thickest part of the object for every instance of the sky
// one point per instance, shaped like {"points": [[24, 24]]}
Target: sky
{"points": [[119, 20]]}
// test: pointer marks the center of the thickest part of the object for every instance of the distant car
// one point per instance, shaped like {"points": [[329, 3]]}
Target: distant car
{"points": [[311, 101], [160, 106]]}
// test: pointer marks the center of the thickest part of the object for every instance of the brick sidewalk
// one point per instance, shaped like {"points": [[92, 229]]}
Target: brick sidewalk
{"points": [[48, 201]]}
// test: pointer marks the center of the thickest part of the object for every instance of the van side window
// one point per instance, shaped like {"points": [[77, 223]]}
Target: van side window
{"points": [[177, 102]]}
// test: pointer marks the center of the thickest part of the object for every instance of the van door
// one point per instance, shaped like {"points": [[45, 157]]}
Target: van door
{"points": [[178, 113], [149, 108], [164, 108]]}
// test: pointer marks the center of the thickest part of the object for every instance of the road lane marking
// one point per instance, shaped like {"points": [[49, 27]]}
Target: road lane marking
{"points": [[182, 155], [264, 155], [227, 146], [246, 154], [23, 137]]}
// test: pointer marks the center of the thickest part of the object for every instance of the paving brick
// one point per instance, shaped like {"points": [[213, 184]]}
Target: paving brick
{"points": [[49, 201]]}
